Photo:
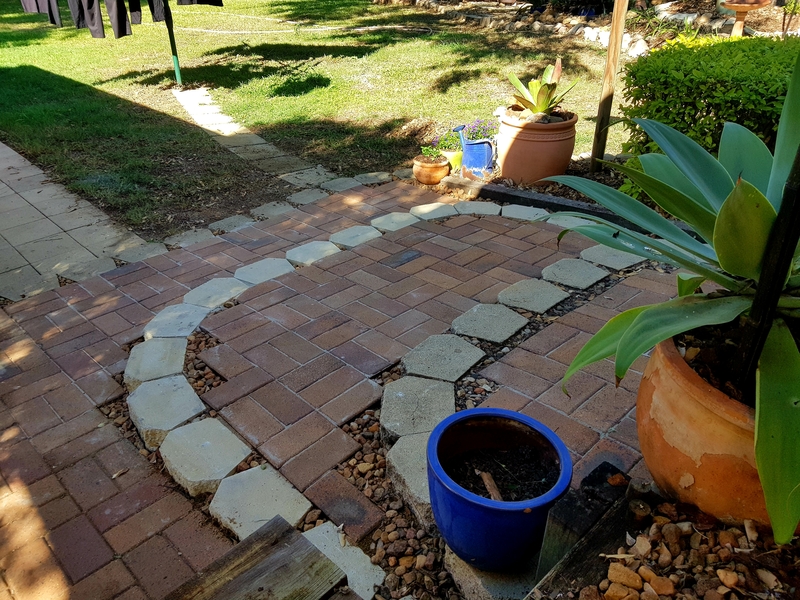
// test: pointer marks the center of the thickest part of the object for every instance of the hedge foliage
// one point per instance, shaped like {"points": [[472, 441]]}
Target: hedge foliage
{"points": [[696, 85]]}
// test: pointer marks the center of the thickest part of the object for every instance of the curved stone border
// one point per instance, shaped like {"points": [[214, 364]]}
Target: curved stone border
{"points": [[159, 360]]}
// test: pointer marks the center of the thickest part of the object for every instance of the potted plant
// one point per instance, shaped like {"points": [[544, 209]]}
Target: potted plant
{"points": [[700, 444], [524, 464], [477, 146], [536, 139], [431, 166], [449, 145]]}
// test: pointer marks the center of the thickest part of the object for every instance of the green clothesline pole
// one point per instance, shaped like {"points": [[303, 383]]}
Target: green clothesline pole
{"points": [[173, 47]]}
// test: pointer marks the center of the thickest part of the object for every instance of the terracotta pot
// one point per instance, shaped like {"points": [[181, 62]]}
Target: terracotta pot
{"points": [[696, 441], [430, 173], [527, 152]]}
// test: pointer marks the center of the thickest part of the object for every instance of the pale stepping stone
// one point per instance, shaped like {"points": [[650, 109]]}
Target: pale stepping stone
{"points": [[215, 292], [187, 238], [154, 359], [611, 257], [523, 213], [225, 129], [310, 253], [354, 236], [574, 272], [79, 271], [482, 585], [477, 208], [406, 466], [142, 252], [341, 184], [362, 575], [25, 282], [534, 295], [406, 174], [373, 178], [445, 357], [159, 406], [415, 405], [239, 139], [264, 270], [176, 321], [393, 221], [307, 196], [434, 210], [230, 223], [493, 322], [201, 454], [278, 165], [247, 500], [271, 209], [258, 152], [568, 222], [309, 177]]}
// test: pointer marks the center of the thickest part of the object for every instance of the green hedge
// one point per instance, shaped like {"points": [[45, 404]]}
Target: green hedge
{"points": [[697, 85]]}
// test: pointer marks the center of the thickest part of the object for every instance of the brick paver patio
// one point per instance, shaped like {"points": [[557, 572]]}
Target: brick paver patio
{"points": [[84, 515]]}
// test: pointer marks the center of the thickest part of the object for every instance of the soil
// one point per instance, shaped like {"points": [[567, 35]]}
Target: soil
{"points": [[712, 352], [518, 473]]}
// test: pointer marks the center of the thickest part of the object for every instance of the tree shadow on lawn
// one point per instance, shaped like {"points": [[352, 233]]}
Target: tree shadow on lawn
{"points": [[11, 17], [152, 171], [345, 147], [232, 66]]}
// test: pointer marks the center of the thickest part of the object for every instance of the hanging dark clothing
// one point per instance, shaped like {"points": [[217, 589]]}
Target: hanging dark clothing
{"points": [[86, 13], [156, 9], [208, 2], [118, 15], [45, 7], [135, 8]]}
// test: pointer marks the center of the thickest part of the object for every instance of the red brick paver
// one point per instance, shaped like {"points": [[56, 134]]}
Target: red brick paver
{"points": [[86, 516]]}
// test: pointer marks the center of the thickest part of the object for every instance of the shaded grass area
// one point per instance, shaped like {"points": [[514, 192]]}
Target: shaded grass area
{"points": [[345, 83]]}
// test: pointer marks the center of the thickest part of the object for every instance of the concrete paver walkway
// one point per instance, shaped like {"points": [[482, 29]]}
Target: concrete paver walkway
{"points": [[45, 231], [300, 351]]}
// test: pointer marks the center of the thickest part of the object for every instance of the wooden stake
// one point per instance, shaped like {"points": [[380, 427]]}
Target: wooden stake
{"points": [[609, 77], [491, 486]]}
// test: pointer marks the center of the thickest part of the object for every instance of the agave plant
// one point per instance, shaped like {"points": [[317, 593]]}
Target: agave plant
{"points": [[743, 210], [540, 95]]}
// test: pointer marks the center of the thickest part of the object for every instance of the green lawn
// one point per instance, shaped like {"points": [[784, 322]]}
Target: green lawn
{"points": [[346, 83]]}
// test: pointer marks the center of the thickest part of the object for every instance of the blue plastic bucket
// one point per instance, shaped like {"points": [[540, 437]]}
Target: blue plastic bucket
{"points": [[489, 534]]}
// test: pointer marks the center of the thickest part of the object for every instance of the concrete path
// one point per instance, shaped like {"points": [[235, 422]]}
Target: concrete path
{"points": [[47, 232]]}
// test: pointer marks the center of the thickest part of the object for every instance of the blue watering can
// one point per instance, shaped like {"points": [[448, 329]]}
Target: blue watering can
{"points": [[478, 154]]}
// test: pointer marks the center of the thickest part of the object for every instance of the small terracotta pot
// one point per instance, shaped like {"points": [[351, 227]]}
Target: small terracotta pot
{"points": [[527, 152], [430, 173], [696, 441]]}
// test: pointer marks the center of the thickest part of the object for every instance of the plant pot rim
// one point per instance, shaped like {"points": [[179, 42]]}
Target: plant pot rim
{"points": [[518, 122], [706, 394], [442, 160], [553, 494]]}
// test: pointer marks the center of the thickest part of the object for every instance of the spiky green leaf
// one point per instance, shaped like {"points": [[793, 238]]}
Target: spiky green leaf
{"points": [[788, 139], [742, 230], [661, 167], [675, 202], [702, 169], [672, 317], [603, 343], [637, 213], [745, 156], [688, 284], [777, 424]]}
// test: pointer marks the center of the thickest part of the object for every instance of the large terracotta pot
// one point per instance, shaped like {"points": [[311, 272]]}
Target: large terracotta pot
{"points": [[527, 152], [696, 441]]}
